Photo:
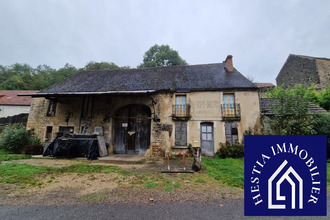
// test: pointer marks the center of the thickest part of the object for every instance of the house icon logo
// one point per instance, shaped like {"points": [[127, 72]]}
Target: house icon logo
{"points": [[285, 175], [279, 197]]}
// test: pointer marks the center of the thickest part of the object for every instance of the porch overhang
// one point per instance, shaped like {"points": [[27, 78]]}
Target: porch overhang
{"points": [[62, 94]]}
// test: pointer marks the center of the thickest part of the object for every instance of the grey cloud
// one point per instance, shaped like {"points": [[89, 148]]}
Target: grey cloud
{"points": [[259, 34]]}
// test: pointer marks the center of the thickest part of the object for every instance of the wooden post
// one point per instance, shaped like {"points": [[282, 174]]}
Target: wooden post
{"points": [[184, 162], [197, 165]]}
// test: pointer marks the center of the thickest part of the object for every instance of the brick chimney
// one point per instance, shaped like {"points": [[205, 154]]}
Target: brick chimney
{"points": [[229, 64]]}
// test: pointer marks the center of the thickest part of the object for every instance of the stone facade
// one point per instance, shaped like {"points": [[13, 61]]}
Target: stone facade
{"points": [[81, 114], [304, 70]]}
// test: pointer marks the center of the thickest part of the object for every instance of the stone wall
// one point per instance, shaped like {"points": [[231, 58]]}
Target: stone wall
{"points": [[205, 107], [324, 72], [298, 70]]}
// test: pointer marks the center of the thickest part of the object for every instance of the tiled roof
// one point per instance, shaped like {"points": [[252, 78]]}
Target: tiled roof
{"points": [[205, 77], [9, 97], [266, 109], [265, 85]]}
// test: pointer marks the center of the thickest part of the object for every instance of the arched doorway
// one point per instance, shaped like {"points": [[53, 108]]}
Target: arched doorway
{"points": [[132, 129]]}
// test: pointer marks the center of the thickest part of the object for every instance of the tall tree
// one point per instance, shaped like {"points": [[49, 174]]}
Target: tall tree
{"points": [[161, 55], [21, 68], [324, 98], [101, 66], [63, 73], [16, 69]]}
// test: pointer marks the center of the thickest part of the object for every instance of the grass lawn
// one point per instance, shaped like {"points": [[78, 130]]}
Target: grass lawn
{"points": [[5, 156], [22, 174], [229, 170], [26, 174]]}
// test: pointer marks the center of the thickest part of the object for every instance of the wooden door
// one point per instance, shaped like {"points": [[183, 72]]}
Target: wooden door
{"points": [[132, 129], [207, 142]]}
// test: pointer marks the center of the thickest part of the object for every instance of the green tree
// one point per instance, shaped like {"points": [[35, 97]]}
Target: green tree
{"points": [[161, 55], [101, 66], [62, 74], [21, 68], [14, 70], [290, 113], [13, 83], [312, 94], [324, 98], [23, 77], [5, 74]]}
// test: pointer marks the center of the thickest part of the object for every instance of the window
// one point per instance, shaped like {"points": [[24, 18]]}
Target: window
{"points": [[229, 105], [52, 108], [88, 105], [181, 133], [49, 131], [181, 105], [231, 132], [207, 133]]}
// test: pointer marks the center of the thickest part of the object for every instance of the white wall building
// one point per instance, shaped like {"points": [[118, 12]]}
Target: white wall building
{"points": [[11, 104]]}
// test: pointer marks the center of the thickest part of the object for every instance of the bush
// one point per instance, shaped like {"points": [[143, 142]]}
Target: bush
{"points": [[15, 137], [233, 150], [321, 125]]}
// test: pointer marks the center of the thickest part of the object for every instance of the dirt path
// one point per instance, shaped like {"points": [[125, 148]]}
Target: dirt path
{"points": [[147, 185]]}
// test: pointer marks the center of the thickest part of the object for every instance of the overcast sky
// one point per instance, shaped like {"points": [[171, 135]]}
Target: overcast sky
{"points": [[259, 34]]}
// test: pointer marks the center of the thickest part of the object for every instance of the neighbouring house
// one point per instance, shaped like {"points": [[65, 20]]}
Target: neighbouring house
{"points": [[11, 104], [264, 87], [151, 110], [304, 70], [266, 112]]}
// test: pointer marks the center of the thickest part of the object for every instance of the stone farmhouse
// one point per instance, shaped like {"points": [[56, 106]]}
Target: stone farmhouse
{"points": [[151, 110], [304, 70]]}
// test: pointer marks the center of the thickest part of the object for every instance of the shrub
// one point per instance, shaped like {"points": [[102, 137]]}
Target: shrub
{"points": [[15, 137], [321, 124], [236, 149], [233, 150]]}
